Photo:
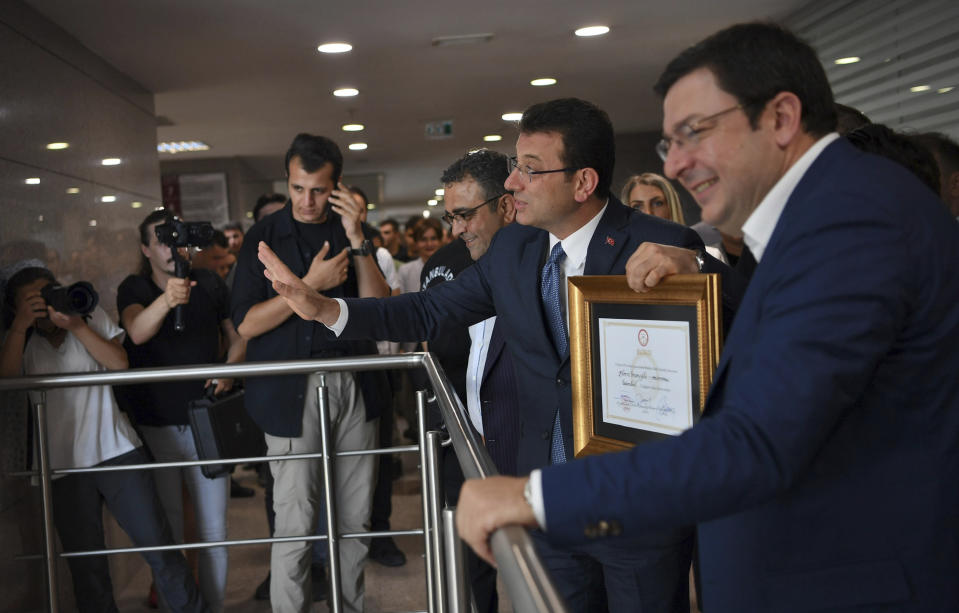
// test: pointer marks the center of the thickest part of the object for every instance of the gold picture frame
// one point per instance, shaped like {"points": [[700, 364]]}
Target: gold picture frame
{"points": [[594, 300]]}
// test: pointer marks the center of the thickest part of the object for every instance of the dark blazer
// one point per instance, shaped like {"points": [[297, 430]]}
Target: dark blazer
{"points": [[825, 472], [505, 282], [499, 405]]}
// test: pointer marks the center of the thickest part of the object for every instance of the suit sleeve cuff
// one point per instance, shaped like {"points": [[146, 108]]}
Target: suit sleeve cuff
{"points": [[340, 323], [535, 498]]}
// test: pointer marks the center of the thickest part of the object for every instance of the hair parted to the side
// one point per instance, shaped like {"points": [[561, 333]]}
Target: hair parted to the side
{"points": [[756, 61], [314, 152], [587, 134], [488, 168]]}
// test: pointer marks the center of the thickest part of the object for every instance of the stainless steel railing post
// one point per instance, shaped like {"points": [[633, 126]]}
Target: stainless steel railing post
{"points": [[430, 555], [46, 493], [433, 482], [327, 463], [458, 588]]}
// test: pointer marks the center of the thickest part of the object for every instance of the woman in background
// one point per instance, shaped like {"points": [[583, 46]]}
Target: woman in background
{"points": [[653, 195]]}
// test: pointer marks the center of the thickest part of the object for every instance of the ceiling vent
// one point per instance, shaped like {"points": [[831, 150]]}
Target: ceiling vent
{"points": [[462, 39]]}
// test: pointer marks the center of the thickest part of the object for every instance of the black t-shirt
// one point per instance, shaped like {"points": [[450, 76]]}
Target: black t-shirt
{"points": [[164, 404]]}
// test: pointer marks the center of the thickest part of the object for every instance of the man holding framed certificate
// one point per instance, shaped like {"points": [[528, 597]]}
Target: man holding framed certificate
{"points": [[823, 475], [569, 224]]}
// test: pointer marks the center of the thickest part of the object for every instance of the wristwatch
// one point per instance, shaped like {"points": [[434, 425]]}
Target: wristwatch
{"points": [[701, 260], [366, 248]]}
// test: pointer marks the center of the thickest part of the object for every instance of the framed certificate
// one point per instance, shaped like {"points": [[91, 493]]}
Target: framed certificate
{"points": [[641, 364]]}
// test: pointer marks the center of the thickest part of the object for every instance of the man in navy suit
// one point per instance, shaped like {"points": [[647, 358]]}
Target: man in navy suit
{"points": [[560, 181], [824, 473]]}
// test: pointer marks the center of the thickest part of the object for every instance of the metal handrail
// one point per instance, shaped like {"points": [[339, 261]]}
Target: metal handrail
{"points": [[527, 581]]}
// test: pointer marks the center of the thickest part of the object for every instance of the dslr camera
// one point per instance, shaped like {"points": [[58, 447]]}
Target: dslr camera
{"points": [[179, 233], [77, 299]]}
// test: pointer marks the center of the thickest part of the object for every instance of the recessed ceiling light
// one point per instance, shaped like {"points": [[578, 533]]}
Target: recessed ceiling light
{"points": [[93, 223], [426, 214], [345, 92], [370, 206], [40, 218], [543, 82], [183, 145], [492, 138], [945, 90], [852, 59], [32, 181], [108, 199], [357, 146], [432, 202], [592, 31], [512, 116], [136, 204], [335, 48], [440, 191], [55, 146], [353, 127], [919, 88], [249, 214], [110, 161], [73, 190]]}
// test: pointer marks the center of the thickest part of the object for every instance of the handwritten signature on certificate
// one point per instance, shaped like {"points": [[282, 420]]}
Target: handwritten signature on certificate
{"points": [[645, 374]]}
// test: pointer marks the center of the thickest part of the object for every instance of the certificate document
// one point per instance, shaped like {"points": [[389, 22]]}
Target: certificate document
{"points": [[645, 374]]}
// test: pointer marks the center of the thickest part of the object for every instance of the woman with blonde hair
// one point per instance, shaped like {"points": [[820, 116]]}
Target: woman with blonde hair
{"points": [[653, 195]]}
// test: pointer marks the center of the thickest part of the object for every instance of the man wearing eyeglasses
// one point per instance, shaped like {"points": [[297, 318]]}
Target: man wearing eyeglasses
{"points": [[823, 474], [560, 181]]}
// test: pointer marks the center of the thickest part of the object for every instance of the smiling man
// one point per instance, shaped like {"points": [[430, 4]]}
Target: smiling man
{"points": [[569, 224], [823, 473]]}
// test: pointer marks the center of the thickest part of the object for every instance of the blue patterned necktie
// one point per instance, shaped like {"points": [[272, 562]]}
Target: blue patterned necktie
{"points": [[552, 295]]}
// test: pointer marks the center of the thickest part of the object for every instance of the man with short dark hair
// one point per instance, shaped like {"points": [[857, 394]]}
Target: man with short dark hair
{"points": [[234, 236], [267, 204], [330, 254], [568, 219], [393, 240], [823, 473]]}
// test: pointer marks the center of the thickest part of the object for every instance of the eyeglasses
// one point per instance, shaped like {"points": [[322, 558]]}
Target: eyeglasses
{"points": [[690, 132], [526, 171], [465, 215]]}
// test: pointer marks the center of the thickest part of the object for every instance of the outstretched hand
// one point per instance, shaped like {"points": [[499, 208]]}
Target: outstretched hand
{"points": [[303, 299]]}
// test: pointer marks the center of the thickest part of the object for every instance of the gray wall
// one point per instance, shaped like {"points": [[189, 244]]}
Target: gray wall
{"points": [[52, 89]]}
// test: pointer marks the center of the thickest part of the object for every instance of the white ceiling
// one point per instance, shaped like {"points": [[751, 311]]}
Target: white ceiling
{"points": [[245, 76]]}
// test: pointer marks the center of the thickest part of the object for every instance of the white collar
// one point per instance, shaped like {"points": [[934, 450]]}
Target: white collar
{"points": [[576, 245], [758, 229]]}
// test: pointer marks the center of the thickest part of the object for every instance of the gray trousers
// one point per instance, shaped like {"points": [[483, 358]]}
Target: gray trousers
{"points": [[132, 499], [297, 496]]}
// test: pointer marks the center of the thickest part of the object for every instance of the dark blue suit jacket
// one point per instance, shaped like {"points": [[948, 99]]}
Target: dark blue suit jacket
{"points": [[505, 282], [500, 404], [825, 472]]}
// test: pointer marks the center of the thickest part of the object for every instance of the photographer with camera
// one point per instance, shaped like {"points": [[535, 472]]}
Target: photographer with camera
{"points": [[53, 329], [148, 303]]}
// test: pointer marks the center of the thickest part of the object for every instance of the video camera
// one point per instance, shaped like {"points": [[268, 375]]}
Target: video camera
{"points": [[77, 299], [178, 233]]}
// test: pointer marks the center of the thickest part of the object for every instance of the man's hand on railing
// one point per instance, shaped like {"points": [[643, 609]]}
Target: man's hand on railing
{"points": [[303, 299], [485, 505]]}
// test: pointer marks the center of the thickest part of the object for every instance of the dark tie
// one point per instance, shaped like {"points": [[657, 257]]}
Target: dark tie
{"points": [[552, 296]]}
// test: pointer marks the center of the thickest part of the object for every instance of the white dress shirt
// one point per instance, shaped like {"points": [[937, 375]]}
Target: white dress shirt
{"points": [[480, 335]]}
